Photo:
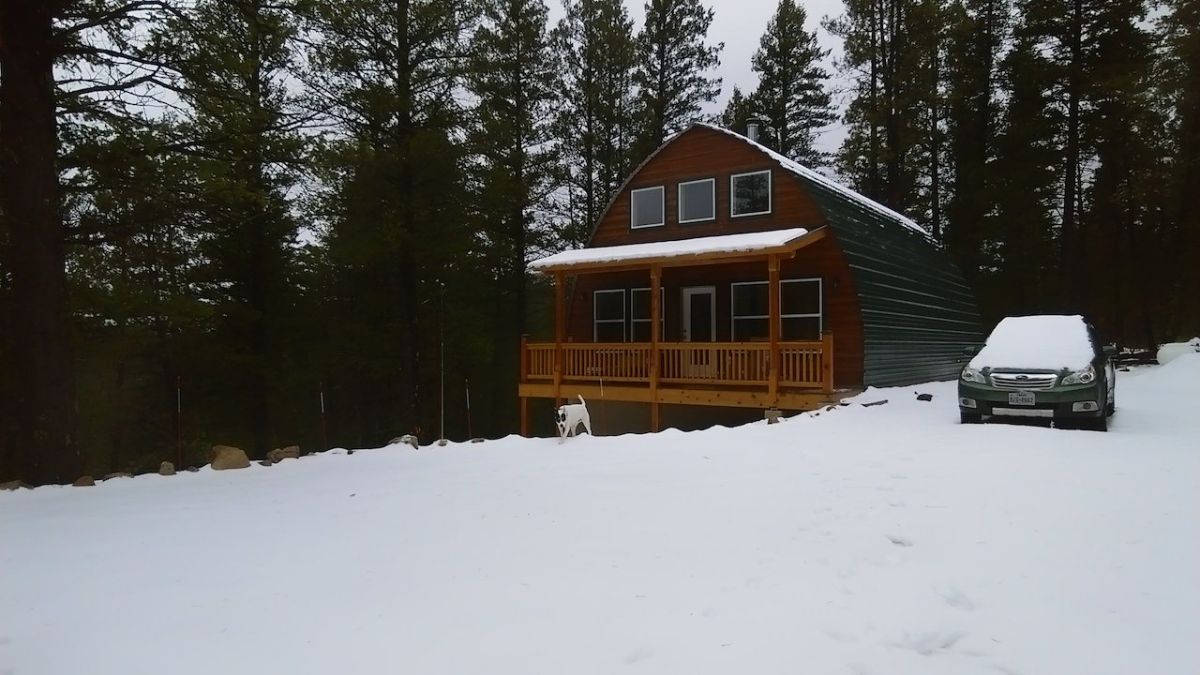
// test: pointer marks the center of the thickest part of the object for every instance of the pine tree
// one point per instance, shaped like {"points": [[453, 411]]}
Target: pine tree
{"points": [[977, 30], [512, 77], [791, 93], [739, 110], [386, 73], [235, 61], [136, 266], [1025, 181], [42, 392], [1179, 91], [1125, 223], [60, 61], [893, 55], [594, 45], [673, 66]]}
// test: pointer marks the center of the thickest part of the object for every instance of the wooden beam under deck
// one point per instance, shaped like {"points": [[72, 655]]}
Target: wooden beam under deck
{"points": [[729, 398]]}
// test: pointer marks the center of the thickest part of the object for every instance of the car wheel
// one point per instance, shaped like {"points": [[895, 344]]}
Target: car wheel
{"points": [[969, 417], [1110, 409]]}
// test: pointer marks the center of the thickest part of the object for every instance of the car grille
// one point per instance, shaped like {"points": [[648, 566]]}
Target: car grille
{"points": [[1024, 381]]}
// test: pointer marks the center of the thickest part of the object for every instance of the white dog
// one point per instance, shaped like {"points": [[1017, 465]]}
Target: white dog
{"points": [[570, 416]]}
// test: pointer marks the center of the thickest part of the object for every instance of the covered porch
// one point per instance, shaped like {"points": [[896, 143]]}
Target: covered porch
{"points": [[694, 368]]}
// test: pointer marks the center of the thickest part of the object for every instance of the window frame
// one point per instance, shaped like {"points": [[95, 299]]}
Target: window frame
{"points": [[624, 314], [770, 193], [679, 201], [819, 316], [662, 311], [662, 209]]}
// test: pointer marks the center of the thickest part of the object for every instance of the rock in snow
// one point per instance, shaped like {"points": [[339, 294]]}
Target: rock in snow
{"points": [[228, 457], [279, 454], [166, 469]]}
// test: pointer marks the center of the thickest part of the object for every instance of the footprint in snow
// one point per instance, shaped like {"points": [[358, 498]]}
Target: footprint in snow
{"points": [[932, 642], [639, 654], [900, 541], [957, 599]]}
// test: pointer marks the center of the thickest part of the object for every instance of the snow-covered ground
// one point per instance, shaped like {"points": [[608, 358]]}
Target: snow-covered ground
{"points": [[886, 539]]}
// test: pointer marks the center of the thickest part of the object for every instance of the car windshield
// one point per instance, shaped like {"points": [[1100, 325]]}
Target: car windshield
{"points": [[1049, 342]]}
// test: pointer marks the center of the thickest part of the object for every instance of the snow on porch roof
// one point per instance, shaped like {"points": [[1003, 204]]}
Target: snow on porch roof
{"points": [[678, 252]]}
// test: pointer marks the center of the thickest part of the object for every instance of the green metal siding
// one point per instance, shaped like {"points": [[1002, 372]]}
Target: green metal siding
{"points": [[917, 311]]}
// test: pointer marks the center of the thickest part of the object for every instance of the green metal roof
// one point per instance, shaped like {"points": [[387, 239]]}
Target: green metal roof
{"points": [[917, 311]]}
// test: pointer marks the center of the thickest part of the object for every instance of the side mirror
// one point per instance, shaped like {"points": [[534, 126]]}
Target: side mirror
{"points": [[1110, 350]]}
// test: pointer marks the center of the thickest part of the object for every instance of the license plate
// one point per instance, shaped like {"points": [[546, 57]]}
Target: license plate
{"points": [[1021, 398]]}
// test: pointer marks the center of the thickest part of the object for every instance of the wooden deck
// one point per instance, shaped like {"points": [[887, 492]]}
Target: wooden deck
{"points": [[788, 375]]}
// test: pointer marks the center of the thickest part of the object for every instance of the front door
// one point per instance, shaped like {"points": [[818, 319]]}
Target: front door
{"points": [[699, 325], [700, 314]]}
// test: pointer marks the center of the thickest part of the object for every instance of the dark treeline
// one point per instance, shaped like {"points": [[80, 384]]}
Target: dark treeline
{"points": [[242, 205]]}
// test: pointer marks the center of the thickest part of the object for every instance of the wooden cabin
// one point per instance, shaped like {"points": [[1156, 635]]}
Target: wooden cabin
{"points": [[724, 274]]}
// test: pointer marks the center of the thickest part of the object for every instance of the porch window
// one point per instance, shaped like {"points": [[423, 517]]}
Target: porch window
{"points": [[799, 310], [646, 207], [639, 314], [698, 200], [608, 315], [750, 194], [749, 309]]}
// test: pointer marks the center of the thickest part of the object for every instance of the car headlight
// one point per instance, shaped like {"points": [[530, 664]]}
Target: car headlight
{"points": [[969, 374], [1085, 376]]}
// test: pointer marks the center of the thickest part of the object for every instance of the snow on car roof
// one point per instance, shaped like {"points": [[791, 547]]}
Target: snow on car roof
{"points": [[749, 242], [1049, 342]]}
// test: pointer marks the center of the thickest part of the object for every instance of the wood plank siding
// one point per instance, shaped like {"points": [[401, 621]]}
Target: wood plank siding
{"points": [[701, 153]]}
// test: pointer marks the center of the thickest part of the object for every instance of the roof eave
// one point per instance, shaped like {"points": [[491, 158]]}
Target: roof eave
{"points": [[689, 259]]}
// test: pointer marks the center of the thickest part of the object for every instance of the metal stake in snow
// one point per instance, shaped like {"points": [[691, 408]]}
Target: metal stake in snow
{"points": [[179, 422], [442, 358], [324, 428], [468, 386]]}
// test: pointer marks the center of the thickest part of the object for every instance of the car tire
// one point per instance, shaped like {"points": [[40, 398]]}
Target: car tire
{"points": [[1110, 410], [969, 417]]}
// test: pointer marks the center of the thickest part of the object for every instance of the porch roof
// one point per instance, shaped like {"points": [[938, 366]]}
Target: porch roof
{"points": [[697, 251]]}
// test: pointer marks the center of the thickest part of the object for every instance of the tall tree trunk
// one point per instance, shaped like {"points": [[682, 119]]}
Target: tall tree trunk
{"points": [[407, 269], [873, 117], [261, 263], [43, 384], [935, 150], [1071, 265]]}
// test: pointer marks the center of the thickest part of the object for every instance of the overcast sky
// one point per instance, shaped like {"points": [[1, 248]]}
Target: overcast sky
{"points": [[740, 24]]}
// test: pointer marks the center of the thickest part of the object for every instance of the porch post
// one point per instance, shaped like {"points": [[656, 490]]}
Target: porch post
{"points": [[773, 320], [655, 322], [827, 361], [560, 331]]}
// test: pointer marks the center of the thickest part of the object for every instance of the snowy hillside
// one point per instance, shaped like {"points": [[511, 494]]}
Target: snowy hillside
{"points": [[884, 540]]}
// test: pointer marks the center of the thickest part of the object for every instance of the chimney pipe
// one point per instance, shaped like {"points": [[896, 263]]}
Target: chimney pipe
{"points": [[752, 131]]}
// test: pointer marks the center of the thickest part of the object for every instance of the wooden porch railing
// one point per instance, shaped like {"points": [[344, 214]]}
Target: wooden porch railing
{"points": [[801, 364]]}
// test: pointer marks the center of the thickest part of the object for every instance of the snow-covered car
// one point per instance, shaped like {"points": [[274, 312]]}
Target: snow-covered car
{"points": [[1048, 366]]}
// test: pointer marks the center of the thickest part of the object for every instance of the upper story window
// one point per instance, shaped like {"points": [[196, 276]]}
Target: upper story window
{"points": [[698, 200], [750, 193], [646, 207]]}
